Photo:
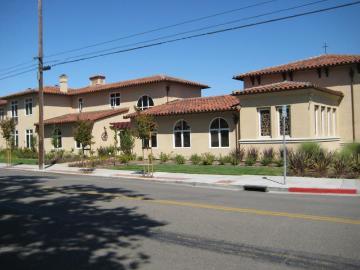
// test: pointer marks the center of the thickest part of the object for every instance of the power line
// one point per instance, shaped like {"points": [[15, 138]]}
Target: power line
{"points": [[211, 33], [190, 31], [17, 69], [161, 28], [17, 74]]}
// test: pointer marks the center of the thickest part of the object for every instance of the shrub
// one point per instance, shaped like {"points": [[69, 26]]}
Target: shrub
{"points": [[341, 164], [267, 156], [323, 160], [25, 153], [151, 157], [125, 158], [224, 159], [195, 159], [252, 153], [107, 151], [298, 162], [353, 150], [279, 162], [207, 159], [140, 158], [237, 155], [164, 157], [179, 159], [127, 141]]}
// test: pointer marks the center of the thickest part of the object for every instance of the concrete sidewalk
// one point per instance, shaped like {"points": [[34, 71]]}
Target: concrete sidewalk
{"points": [[268, 183]]}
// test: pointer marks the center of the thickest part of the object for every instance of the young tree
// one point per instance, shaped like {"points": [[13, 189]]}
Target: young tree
{"points": [[7, 126], [144, 126], [83, 134], [127, 141]]}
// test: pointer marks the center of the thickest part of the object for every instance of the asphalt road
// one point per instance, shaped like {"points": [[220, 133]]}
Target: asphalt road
{"points": [[52, 221]]}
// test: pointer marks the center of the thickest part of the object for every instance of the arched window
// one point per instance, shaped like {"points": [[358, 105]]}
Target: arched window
{"points": [[219, 133], [182, 134], [145, 102], [57, 140]]}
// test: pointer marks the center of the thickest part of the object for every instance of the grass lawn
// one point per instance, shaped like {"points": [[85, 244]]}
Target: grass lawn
{"points": [[16, 160], [209, 169]]}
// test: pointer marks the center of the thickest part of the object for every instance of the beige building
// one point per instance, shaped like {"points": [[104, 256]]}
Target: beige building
{"points": [[321, 96]]}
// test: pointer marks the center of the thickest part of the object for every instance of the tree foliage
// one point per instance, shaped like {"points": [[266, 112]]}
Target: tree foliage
{"points": [[127, 141], [143, 126], [83, 134], [7, 126]]}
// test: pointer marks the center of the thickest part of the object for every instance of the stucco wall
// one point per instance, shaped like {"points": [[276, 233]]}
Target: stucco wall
{"points": [[302, 110], [200, 140]]}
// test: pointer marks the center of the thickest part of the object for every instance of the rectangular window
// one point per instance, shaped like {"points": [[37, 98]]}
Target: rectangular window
{"points": [[316, 120], [29, 138], [214, 138], [177, 139], [323, 121], [80, 104], [265, 122], [77, 145], [115, 99], [334, 122], [2, 114], [28, 106], [14, 109], [329, 122], [15, 136], [287, 121], [224, 136]]}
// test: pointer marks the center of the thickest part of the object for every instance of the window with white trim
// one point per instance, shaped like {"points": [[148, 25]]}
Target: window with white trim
{"points": [[15, 136], [14, 109], [80, 104], [264, 122], [322, 120], [78, 145], [287, 121], [145, 102], [334, 121], [182, 134], [329, 122], [28, 106], [115, 99], [29, 138], [57, 139], [316, 120], [219, 133]]}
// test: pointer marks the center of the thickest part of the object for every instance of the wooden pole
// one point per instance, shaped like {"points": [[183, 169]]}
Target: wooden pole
{"points": [[41, 93]]}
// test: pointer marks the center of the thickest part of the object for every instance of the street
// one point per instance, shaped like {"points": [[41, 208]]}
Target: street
{"points": [[53, 221]]}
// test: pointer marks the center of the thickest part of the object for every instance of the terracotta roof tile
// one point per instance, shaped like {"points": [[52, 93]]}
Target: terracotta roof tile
{"points": [[326, 60], [47, 90], [109, 86], [121, 125], [284, 86], [135, 82], [84, 116], [192, 105]]}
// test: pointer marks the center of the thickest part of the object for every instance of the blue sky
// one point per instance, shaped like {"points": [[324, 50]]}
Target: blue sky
{"points": [[212, 60]]}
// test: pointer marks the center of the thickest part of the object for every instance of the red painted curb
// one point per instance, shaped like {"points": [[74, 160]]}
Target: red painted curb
{"points": [[323, 190]]}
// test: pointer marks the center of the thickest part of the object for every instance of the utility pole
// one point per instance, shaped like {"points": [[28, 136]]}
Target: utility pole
{"points": [[41, 92], [284, 116]]}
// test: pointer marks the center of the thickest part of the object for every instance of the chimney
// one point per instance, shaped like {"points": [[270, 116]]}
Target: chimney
{"points": [[63, 81], [97, 79]]}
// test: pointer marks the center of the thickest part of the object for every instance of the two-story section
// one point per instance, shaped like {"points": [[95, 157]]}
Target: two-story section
{"points": [[321, 95], [99, 102]]}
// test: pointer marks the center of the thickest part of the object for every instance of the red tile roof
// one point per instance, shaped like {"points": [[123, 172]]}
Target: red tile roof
{"points": [[84, 116], [192, 105], [284, 86], [121, 125], [135, 82], [47, 90], [3, 102], [326, 60], [109, 86]]}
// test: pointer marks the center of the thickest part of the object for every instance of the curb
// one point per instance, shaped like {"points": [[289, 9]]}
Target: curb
{"points": [[323, 190]]}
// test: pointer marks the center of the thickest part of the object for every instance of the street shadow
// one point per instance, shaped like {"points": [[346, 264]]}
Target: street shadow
{"points": [[70, 227]]}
